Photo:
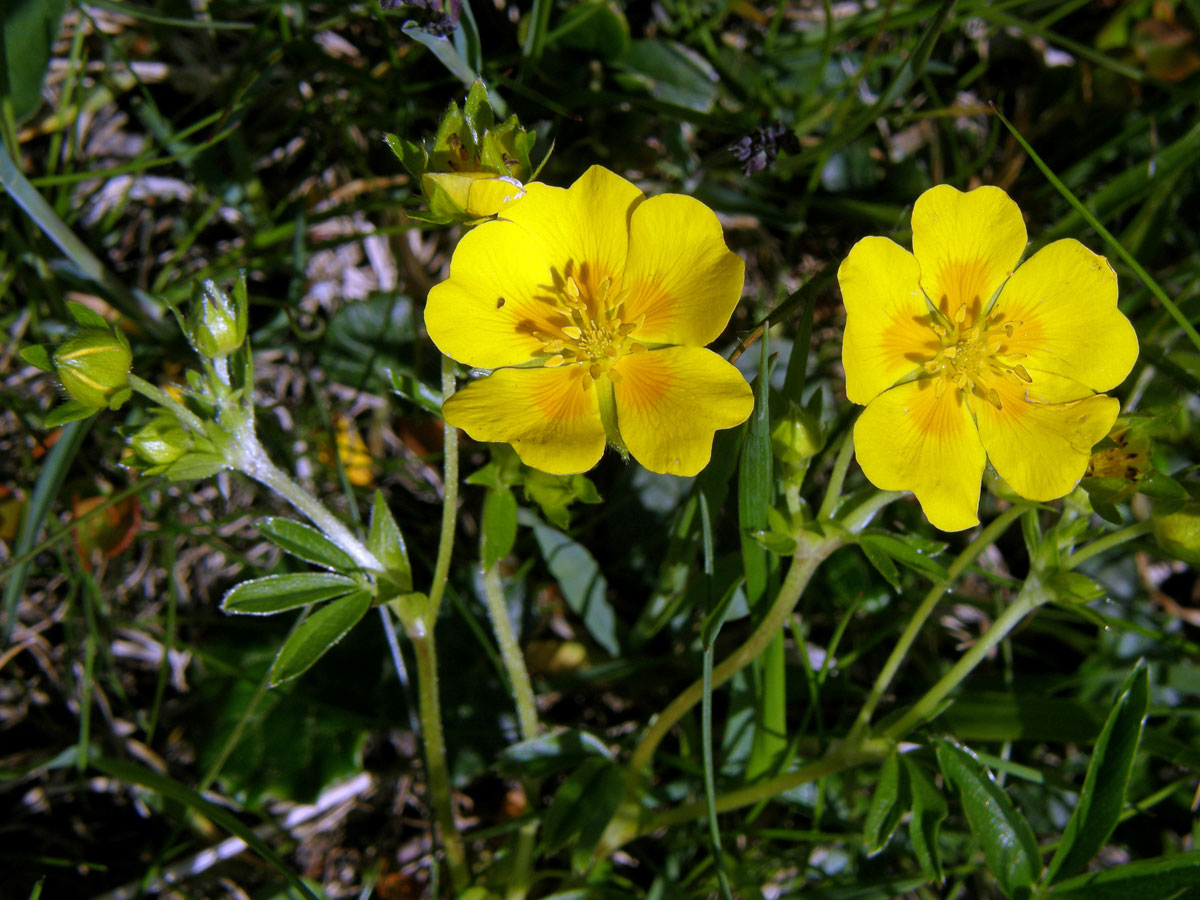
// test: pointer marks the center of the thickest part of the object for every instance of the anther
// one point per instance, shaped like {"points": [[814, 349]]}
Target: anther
{"points": [[554, 361], [993, 398], [573, 332], [1022, 374]]}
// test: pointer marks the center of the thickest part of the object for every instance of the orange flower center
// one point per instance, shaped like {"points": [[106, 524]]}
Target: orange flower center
{"points": [[588, 331], [972, 352]]}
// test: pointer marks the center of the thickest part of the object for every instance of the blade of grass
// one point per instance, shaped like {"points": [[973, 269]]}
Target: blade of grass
{"points": [[49, 482], [137, 306], [171, 789], [1116, 245]]}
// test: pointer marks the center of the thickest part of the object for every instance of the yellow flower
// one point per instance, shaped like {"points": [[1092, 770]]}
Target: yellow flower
{"points": [[958, 358], [594, 305]]}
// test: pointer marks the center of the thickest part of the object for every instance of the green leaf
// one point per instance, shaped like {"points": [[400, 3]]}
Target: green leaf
{"points": [[889, 803], [499, 525], [415, 391], [86, 317], [929, 810], [38, 356], [1164, 878], [69, 411], [549, 753], [386, 542], [194, 466], [910, 550], [306, 543], [412, 156], [368, 341], [881, 561], [445, 52], [1103, 795], [1009, 846], [672, 73], [555, 494], [29, 29], [582, 807], [317, 634], [276, 593], [583, 584], [595, 27]]}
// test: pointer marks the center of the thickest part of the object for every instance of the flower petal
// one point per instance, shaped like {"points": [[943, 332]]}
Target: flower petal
{"points": [[909, 439], [888, 331], [485, 312], [583, 230], [967, 244], [551, 420], [1064, 298], [1042, 448], [670, 401], [680, 275]]}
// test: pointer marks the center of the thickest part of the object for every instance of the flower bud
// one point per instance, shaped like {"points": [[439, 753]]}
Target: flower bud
{"points": [[161, 442], [469, 196], [797, 436], [216, 325], [93, 366], [1178, 533]]}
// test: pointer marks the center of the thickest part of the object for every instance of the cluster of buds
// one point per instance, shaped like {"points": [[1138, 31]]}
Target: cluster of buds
{"points": [[473, 168]]}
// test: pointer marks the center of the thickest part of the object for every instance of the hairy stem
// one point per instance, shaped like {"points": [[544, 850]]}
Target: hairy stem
{"points": [[1106, 543], [900, 651], [1032, 595], [527, 718], [808, 556], [437, 775], [441, 569]]}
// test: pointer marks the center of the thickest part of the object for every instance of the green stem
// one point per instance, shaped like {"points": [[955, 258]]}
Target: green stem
{"points": [[441, 569], [510, 653], [843, 757], [989, 534], [165, 400], [1030, 597], [808, 556], [527, 718], [837, 477], [437, 774], [249, 457], [1106, 543]]}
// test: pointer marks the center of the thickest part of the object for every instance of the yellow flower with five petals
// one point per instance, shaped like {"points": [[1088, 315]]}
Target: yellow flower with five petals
{"points": [[960, 359], [593, 304]]}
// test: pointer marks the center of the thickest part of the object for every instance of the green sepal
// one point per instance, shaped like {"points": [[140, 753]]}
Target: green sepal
{"points": [[412, 156], [38, 356], [70, 411]]}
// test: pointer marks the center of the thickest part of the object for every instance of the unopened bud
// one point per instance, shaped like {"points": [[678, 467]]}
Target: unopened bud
{"points": [[797, 436], [1178, 533], [93, 366], [469, 196], [216, 325], [161, 442]]}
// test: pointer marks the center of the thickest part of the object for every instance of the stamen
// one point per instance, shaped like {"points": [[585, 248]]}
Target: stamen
{"points": [[574, 332]]}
